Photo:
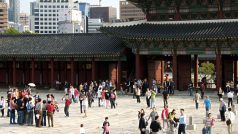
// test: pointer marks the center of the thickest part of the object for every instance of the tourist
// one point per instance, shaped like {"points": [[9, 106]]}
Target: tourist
{"points": [[99, 95], [182, 122], [142, 124], [165, 97], [172, 120], [190, 88], [138, 94], [207, 104], [50, 112], [20, 111], [66, 106], [145, 86], [113, 99], [81, 87], [230, 120], [71, 93], [142, 111], [81, 95], [202, 88], [38, 112], [222, 109], [153, 114], [197, 98], [155, 126], [107, 98], [81, 130], [12, 110], [106, 126], [85, 105], [220, 93], [230, 98], [76, 95], [90, 97], [210, 121], [2, 105], [148, 97], [103, 97], [164, 116], [29, 108], [44, 113], [152, 98]]}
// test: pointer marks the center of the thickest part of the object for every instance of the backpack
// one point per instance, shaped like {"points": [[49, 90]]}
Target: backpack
{"points": [[29, 107]]}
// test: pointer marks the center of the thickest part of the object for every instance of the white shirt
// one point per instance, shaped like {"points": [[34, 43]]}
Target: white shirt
{"points": [[230, 115], [82, 130], [85, 102], [2, 103], [99, 92], [230, 95]]}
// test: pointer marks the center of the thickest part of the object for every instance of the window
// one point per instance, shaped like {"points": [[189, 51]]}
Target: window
{"points": [[37, 31], [41, 18], [49, 6], [41, 23], [36, 27], [54, 6], [45, 23], [62, 6], [45, 18], [50, 32], [58, 6], [49, 14], [46, 27], [41, 6], [45, 10], [45, 6], [41, 27], [36, 18], [36, 23], [46, 31], [41, 31], [66, 6], [54, 32], [41, 10]]}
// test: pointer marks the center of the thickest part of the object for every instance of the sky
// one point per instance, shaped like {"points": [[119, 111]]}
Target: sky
{"points": [[25, 4]]}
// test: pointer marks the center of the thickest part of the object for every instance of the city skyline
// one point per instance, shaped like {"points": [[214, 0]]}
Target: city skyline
{"points": [[25, 4]]}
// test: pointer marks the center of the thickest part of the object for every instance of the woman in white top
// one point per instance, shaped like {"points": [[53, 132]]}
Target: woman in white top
{"points": [[85, 105], [2, 105], [230, 116], [81, 130]]}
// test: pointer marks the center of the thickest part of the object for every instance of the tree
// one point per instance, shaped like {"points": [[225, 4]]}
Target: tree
{"points": [[11, 31], [207, 69]]}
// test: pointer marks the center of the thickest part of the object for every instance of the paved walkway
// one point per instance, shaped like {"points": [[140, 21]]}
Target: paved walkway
{"points": [[123, 119]]}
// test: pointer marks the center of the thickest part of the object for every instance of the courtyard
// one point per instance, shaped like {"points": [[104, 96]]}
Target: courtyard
{"points": [[123, 119]]}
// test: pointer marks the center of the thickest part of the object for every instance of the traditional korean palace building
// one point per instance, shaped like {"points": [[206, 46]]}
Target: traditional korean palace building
{"points": [[178, 31]]}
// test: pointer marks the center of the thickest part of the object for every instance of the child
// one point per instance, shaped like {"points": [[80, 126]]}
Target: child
{"points": [[81, 130], [105, 126]]}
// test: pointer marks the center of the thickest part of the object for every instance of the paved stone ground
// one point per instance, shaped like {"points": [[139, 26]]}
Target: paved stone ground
{"points": [[123, 119]]}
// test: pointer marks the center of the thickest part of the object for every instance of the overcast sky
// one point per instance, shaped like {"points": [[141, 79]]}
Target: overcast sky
{"points": [[25, 4]]}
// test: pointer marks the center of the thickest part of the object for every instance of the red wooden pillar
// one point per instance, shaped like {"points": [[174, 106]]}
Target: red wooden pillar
{"points": [[72, 71], [14, 72], [175, 73], [162, 72], [235, 72], [52, 72], [218, 69], [118, 73], [138, 66], [93, 70], [33, 70], [195, 71]]}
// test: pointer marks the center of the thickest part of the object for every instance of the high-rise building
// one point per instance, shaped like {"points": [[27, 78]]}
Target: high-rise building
{"points": [[3, 16], [24, 19], [107, 14], [84, 8], [14, 11], [45, 14], [130, 12]]}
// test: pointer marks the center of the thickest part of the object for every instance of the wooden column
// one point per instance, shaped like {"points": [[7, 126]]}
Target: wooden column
{"points": [[138, 66], [218, 69], [52, 72], [162, 72], [195, 71], [235, 72], [72, 71], [118, 73], [14, 72], [33, 70], [175, 73], [93, 70]]}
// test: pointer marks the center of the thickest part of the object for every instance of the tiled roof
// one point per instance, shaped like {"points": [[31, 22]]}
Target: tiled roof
{"points": [[65, 45], [200, 30]]}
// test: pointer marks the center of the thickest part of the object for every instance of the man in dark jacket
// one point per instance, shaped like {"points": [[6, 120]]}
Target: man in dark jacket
{"points": [[142, 124], [155, 125]]}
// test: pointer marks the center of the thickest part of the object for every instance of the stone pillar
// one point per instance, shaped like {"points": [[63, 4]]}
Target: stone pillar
{"points": [[14, 72], [195, 71], [175, 73], [218, 69], [138, 67], [33, 70], [52, 72], [118, 73], [191, 126], [72, 71], [93, 70]]}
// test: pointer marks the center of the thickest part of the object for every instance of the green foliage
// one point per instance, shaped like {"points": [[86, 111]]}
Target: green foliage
{"points": [[11, 31], [26, 32], [208, 69]]}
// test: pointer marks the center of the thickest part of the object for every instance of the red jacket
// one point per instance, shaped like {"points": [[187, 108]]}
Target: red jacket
{"points": [[166, 113], [50, 108], [67, 102]]}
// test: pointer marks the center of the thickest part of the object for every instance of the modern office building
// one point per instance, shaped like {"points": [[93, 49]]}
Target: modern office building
{"points": [[94, 25], [107, 14], [14, 11], [45, 14], [3, 16], [130, 12], [84, 8]]}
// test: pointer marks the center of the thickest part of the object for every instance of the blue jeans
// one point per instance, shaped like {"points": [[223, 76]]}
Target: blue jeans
{"points": [[208, 130], [30, 118], [20, 117], [44, 118], [12, 116]]}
